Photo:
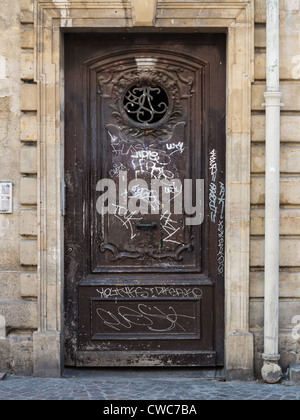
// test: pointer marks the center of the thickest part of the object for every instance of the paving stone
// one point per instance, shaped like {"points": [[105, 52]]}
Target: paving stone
{"points": [[121, 385]]}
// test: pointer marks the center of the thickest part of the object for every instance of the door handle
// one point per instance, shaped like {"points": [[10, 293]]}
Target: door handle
{"points": [[153, 225]]}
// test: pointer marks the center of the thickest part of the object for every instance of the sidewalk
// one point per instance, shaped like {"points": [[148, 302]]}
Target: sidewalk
{"points": [[140, 385]]}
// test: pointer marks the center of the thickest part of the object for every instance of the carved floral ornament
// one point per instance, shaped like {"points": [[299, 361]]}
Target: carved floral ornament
{"points": [[146, 102], [145, 251]]}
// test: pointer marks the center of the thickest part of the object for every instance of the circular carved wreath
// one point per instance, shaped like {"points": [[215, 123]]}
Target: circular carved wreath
{"points": [[146, 103]]}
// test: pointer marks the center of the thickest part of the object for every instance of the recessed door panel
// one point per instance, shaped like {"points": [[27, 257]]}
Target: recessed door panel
{"points": [[145, 219]]}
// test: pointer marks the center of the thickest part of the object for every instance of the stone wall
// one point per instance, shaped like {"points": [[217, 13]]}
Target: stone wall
{"points": [[290, 181], [18, 163]]}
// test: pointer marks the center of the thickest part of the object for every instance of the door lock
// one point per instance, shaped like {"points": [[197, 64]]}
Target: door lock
{"points": [[145, 226]]}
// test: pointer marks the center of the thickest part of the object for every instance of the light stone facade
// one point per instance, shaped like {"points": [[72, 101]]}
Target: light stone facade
{"points": [[31, 144]]}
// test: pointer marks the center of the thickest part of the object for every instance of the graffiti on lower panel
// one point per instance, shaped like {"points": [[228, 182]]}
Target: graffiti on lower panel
{"points": [[133, 292], [148, 318]]}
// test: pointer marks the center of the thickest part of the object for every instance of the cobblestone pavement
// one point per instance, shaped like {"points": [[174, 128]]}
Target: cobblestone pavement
{"points": [[140, 385]]}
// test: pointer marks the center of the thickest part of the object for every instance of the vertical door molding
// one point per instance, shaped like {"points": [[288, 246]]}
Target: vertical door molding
{"points": [[51, 19]]}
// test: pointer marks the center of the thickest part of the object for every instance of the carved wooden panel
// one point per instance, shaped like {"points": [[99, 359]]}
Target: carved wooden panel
{"points": [[145, 113], [150, 133]]}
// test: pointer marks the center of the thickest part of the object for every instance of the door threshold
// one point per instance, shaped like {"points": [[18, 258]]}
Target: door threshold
{"points": [[163, 373]]}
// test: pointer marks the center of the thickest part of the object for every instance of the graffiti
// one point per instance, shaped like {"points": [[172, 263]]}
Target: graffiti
{"points": [[150, 317], [221, 247], [170, 228], [133, 292], [213, 202], [117, 168], [176, 147], [213, 167], [127, 219], [147, 196], [217, 191], [221, 199]]}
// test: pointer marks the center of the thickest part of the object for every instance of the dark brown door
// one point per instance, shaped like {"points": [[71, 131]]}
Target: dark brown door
{"points": [[145, 201]]}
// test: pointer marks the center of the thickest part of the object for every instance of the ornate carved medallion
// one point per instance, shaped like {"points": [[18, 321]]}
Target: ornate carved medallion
{"points": [[146, 102], [146, 105]]}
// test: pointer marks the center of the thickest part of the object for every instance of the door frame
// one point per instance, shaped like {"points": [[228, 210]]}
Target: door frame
{"points": [[51, 21]]}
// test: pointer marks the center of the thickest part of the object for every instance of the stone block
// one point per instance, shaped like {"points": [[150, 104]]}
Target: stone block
{"points": [[289, 253], [289, 222], [28, 97], [29, 285], [28, 160], [239, 356], [27, 38], [28, 252], [288, 310], [28, 128], [258, 161], [289, 46], [19, 314], [289, 40], [290, 128], [2, 327], [289, 159], [260, 66], [21, 354], [260, 37], [260, 11], [288, 349], [5, 115], [17, 354], [289, 285], [290, 97], [294, 374], [28, 223], [28, 194], [289, 191], [9, 246], [9, 285], [26, 15], [47, 354], [5, 355], [143, 12], [27, 66]]}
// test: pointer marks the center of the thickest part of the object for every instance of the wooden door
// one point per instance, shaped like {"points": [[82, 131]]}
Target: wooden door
{"points": [[145, 199]]}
